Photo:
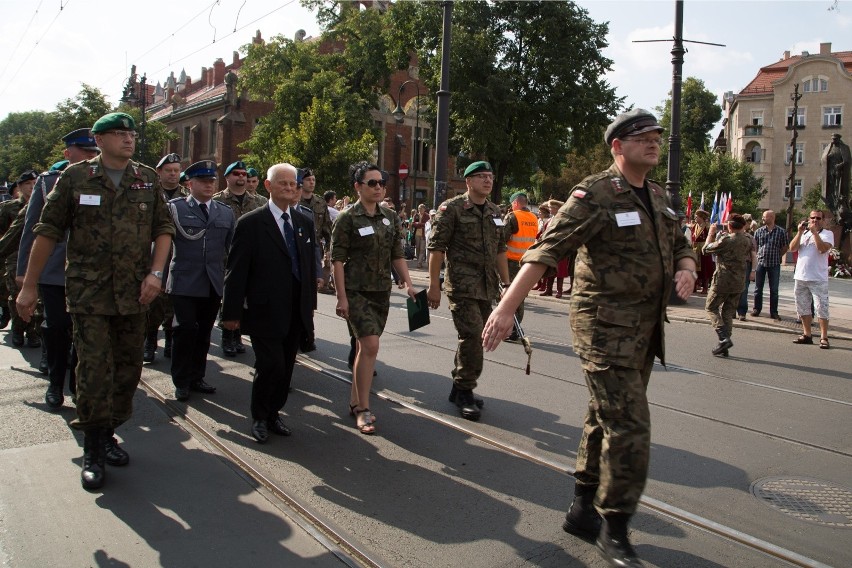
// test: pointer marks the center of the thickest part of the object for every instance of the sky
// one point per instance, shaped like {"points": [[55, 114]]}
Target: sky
{"points": [[51, 47]]}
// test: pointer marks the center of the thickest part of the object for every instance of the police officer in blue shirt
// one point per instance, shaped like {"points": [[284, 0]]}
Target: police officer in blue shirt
{"points": [[56, 327], [204, 229]]}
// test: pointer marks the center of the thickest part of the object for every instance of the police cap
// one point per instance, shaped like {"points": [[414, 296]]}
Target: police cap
{"points": [[26, 176], [631, 123], [82, 138], [168, 159], [477, 167], [204, 168], [238, 165], [59, 166], [114, 121]]}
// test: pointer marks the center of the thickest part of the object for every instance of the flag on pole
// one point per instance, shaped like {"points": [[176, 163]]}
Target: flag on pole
{"points": [[702, 201], [729, 207], [723, 204], [714, 214], [689, 205]]}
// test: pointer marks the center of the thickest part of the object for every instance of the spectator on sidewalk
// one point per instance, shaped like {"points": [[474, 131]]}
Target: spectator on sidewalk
{"points": [[700, 229], [811, 276], [771, 246], [751, 265]]}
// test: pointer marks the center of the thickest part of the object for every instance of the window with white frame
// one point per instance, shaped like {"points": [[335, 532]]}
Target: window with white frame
{"points": [[757, 118], [800, 116], [815, 84], [800, 154], [831, 115], [420, 150], [797, 189]]}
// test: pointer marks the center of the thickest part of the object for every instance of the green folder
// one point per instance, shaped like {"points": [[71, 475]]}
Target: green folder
{"points": [[418, 311]]}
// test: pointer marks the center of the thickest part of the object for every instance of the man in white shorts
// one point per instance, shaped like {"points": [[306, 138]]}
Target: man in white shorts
{"points": [[811, 276]]}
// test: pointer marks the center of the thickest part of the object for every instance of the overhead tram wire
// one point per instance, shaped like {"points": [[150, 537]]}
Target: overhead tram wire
{"points": [[20, 41], [35, 45]]}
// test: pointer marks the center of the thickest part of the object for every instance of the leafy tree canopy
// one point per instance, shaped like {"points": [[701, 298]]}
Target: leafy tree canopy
{"points": [[711, 173], [699, 113]]}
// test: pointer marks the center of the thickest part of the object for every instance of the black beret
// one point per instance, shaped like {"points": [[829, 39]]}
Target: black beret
{"points": [[307, 172], [168, 159], [26, 176], [631, 123]]}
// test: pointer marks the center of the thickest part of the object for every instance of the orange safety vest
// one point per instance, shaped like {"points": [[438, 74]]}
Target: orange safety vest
{"points": [[525, 237]]}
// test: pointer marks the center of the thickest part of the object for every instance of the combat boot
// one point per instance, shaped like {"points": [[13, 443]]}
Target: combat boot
{"points": [[150, 351], [113, 454], [17, 337], [167, 348], [43, 366], [582, 519], [228, 347], [93, 475], [613, 543], [467, 405], [724, 344], [4, 317], [237, 340], [454, 393]]}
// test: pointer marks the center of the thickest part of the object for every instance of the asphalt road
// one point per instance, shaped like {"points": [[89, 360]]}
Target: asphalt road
{"points": [[431, 489]]}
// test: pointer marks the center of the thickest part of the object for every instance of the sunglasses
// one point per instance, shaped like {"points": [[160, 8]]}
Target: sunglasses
{"points": [[817, 218], [374, 182]]}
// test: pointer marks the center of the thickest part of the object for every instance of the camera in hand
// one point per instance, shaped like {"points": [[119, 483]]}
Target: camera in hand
{"points": [[804, 224]]}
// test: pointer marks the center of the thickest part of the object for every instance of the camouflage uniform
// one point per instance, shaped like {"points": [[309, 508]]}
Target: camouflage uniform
{"points": [[731, 250], [322, 220], [471, 239], [160, 312], [367, 260], [110, 231], [12, 217], [623, 279], [250, 202]]}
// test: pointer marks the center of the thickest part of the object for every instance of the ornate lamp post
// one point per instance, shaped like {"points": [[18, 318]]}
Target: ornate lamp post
{"points": [[442, 127], [399, 115], [795, 96]]}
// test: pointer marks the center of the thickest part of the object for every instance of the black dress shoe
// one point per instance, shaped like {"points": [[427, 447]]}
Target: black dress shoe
{"points": [[228, 347], [182, 394], [259, 431], [277, 426], [201, 386], [238, 343], [53, 398]]}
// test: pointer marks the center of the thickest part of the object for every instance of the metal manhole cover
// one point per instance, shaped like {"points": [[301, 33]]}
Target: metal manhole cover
{"points": [[807, 499]]}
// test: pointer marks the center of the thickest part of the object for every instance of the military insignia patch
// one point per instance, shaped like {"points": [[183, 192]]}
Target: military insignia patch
{"points": [[468, 205], [143, 206], [579, 193], [93, 170], [136, 171], [442, 208], [616, 184]]}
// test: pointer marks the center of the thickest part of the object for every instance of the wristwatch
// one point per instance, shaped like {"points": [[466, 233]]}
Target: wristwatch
{"points": [[157, 274]]}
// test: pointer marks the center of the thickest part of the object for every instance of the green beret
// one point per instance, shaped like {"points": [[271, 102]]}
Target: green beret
{"points": [[114, 121], [476, 168], [518, 194], [631, 123], [59, 166], [252, 173]]}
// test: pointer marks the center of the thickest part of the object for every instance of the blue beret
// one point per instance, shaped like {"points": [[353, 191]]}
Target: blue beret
{"points": [[252, 173], [59, 166], [26, 176], [82, 137], [114, 121], [204, 168], [476, 168], [238, 165], [168, 159], [631, 123], [518, 194]]}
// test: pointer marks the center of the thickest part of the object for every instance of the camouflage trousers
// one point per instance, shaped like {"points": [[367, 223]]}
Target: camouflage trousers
{"points": [[514, 268], [109, 349], [469, 317], [722, 307], [31, 328], [616, 443], [160, 312]]}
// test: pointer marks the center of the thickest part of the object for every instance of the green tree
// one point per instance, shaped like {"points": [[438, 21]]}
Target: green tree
{"points": [[698, 114], [527, 79], [576, 167], [712, 173], [26, 141]]}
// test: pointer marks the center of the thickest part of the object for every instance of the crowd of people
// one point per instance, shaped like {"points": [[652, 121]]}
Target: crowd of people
{"points": [[108, 250]]}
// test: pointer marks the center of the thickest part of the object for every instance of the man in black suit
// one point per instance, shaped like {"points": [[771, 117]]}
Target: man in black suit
{"points": [[271, 271], [205, 228]]}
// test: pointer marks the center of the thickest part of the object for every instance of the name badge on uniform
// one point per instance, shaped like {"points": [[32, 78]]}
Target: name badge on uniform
{"points": [[90, 199], [366, 231], [628, 219], [499, 222]]}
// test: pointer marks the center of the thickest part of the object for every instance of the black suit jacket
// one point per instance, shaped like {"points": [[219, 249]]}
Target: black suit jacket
{"points": [[259, 279]]}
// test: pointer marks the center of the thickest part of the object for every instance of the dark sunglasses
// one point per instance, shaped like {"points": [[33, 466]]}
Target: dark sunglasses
{"points": [[374, 182], [817, 218]]}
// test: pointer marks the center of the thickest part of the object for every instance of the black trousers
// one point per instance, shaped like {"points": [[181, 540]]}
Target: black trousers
{"points": [[56, 335], [275, 358], [193, 322]]}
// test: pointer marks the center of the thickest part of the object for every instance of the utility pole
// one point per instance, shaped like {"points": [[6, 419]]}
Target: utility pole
{"points": [[792, 179]]}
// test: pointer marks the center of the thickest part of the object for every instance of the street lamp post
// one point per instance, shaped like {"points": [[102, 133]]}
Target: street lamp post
{"points": [[795, 97], [399, 115], [442, 126]]}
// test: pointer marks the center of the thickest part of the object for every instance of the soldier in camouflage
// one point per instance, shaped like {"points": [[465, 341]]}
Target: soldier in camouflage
{"points": [[111, 209], [366, 241], [161, 312], [11, 231], [241, 201], [732, 250], [630, 251], [468, 233]]}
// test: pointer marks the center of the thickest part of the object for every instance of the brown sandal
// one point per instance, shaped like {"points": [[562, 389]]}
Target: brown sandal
{"points": [[823, 343], [804, 340]]}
